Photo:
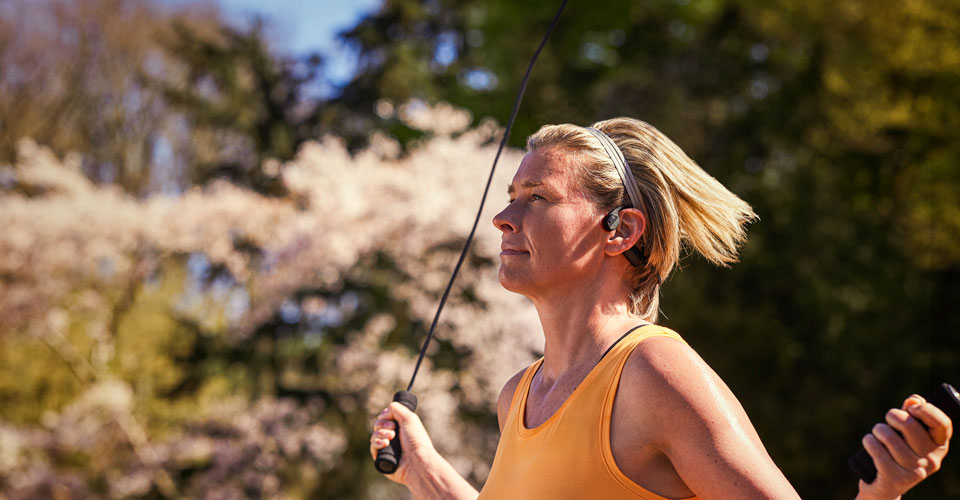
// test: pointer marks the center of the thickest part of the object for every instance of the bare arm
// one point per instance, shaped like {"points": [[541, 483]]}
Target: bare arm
{"points": [[688, 414], [422, 470], [693, 418]]}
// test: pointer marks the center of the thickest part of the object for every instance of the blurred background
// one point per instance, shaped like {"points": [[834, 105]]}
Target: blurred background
{"points": [[224, 225]]}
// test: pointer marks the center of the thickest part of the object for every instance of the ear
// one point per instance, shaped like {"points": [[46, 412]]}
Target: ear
{"points": [[632, 225]]}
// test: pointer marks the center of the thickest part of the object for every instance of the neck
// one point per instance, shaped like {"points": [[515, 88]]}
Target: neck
{"points": [[580, 323]]}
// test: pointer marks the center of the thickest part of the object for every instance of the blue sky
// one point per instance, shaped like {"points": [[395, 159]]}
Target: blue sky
{"points": [[301, 26]]}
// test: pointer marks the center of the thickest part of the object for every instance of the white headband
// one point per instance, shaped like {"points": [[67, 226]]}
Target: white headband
{"points": [[616, 156]]}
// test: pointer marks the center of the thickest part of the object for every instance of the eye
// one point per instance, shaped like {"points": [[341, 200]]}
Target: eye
{"points": [[536, 197]]}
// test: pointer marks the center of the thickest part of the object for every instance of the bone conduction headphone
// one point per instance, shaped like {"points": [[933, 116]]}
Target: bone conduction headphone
{"points": [[611, 221]]}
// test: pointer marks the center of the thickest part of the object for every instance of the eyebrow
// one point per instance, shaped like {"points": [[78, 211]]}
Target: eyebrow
{"points": [[525, 184]]}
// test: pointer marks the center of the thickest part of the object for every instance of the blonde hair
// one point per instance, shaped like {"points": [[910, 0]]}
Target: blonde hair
{"points": [[683, 204]]}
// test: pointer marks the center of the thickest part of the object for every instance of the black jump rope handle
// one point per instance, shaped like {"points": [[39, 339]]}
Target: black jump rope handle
{"points": [[944, 397], [388, 459]]}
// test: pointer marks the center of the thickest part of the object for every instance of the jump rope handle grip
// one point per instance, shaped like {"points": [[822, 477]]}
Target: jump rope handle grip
{"points": [[388, 459], [944, 397]]}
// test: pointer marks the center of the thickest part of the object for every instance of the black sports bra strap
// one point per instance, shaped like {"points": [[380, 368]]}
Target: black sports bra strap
{"points": [[621, 338]]}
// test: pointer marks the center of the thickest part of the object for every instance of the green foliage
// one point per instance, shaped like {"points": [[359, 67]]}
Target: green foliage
{"points": [[240, 96]]}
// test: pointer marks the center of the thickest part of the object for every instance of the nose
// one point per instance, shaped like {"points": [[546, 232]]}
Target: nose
{"points": [[506, 220]]}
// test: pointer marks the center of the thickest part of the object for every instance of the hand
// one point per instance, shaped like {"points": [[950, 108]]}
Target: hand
{"points": [[414, 440], [905, 459]]}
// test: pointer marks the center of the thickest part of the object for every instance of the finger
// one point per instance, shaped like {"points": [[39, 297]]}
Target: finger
{"points": [[897, 448], [386, 434], [379, 440], [395, 414], [382, 437], [382, 416], [384, 424], [887, 467], [384, 429], [377, 444], [881, 457], [938, 423], [912, 431]]}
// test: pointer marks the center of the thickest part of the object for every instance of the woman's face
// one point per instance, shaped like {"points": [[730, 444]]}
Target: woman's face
{"points": [[552, 236]]}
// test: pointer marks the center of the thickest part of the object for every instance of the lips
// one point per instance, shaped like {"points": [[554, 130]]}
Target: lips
{"points": [[511, 250]]}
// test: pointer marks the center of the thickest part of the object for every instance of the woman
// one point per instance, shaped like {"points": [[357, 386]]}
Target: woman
{"points": [[594, 226]]}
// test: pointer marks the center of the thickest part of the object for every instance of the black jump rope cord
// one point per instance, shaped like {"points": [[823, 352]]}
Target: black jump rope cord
{"points": [[483, 199], [388, 459]]}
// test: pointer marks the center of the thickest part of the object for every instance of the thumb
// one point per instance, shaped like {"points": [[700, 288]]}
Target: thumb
{"points": [[913, 400], [412, 431], [938, 424], [401, 413], [409, 423]]}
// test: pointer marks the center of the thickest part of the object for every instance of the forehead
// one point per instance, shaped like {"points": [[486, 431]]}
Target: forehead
{"points": [[549, 168]]}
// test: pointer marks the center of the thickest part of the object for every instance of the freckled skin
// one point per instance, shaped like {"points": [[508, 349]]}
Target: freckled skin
{"points": [[551, 223]]}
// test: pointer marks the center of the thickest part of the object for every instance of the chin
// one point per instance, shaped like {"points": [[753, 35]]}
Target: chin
{"points": [[510, 281]]}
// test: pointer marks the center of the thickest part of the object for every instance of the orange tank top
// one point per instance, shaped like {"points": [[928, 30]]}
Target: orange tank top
{"points": [[568, 456]]}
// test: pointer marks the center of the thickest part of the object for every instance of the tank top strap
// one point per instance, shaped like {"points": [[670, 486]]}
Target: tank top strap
{"points": [[613, 384], [525, 381], [641, 334], [517, 403], [618, 359]]}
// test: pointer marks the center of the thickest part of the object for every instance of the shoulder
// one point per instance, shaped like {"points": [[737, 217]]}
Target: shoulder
{"points": [[689, 415], [689, 394], [506, 397], [660, 360]]}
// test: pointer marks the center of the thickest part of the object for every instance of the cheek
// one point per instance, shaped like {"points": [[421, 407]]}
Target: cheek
{"points": [[575, 244], [570, 234]]}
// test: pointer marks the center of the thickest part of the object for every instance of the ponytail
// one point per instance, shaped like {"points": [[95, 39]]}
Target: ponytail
{"points": [[683, 204]]}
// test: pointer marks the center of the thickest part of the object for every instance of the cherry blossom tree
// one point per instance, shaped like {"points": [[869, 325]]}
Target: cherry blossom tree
{"points": [[224, 344]]}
